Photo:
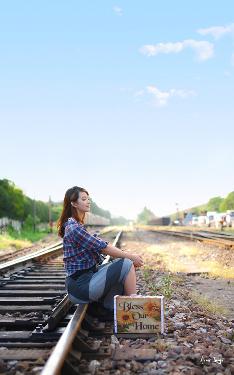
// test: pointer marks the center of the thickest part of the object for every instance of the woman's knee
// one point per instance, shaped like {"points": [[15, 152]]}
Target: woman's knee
{"points": [[129, 263], [124, 262], [132, 269]]}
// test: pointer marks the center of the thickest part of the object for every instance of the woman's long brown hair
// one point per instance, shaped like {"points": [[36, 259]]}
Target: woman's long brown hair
{"points": [[71, 195]]}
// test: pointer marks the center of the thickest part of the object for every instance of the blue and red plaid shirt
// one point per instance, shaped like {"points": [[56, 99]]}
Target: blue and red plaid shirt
{"points": [[81, 250]]}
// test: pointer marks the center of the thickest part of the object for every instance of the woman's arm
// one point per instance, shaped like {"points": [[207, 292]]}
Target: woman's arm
{"points": [[117, 253]]}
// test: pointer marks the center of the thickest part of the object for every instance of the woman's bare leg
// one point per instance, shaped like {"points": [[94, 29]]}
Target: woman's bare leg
{"points": [[130, 282]]}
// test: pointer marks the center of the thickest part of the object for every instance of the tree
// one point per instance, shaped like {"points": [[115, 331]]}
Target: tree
{"points": [[228, 202], [56, 211], [145, 216], [11, 200], [99, 211], [17, 206], [214, 204], [4, 200]]}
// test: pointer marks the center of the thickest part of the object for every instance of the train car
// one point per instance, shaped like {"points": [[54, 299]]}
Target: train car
{"points": [[91, 219], [160, 221]]}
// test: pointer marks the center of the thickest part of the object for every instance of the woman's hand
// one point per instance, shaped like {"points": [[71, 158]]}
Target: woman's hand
{"points": [[117, 253], [137, 260]]}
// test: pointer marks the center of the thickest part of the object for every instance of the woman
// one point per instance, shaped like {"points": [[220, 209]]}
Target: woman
{"points": [[86, 280]]}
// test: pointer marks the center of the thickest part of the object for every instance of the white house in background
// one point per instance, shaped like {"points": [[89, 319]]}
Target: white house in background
{"points": [[210, 218], [201, 220], [220, 220], [230, 218]]}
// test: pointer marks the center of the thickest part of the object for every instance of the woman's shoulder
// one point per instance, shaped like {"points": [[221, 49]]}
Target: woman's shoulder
{"points": [[71, 224]]}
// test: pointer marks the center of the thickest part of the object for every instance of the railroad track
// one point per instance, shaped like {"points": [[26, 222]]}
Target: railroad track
{"points": [[34, 309], [221, 239], [76, 342], [7, 254], [70, 341], [88, 346]]}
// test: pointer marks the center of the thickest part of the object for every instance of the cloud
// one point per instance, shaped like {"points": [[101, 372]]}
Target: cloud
{"points": [[118, 10], [203, 49], [161, 98], [217, 31]]}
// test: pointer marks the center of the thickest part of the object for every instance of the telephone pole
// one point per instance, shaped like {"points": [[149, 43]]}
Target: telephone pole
{"points": [[50, 216], [177, 210], [34, 215]]}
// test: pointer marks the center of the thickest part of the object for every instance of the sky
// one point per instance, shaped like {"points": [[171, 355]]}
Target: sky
{"points": [[132, 100]]}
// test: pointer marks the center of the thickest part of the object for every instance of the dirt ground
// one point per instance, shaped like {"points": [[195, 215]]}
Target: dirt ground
{"points": [[166, 253]]}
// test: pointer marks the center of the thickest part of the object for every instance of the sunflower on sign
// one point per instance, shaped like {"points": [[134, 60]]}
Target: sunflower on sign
{"points": [[152, 309], [124, 317]]}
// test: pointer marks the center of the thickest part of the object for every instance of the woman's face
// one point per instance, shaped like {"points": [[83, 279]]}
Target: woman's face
{"points": [[83, 202]]}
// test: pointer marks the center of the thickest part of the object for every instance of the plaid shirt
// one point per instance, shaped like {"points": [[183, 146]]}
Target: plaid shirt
{"points": [[81, 250]]}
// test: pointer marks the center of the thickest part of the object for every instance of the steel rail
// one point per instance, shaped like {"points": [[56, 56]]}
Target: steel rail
{"points": [[212, 238], [40, 253], [26, 258], [57, 358], [204, 238], [116, 240], [55, 362]]}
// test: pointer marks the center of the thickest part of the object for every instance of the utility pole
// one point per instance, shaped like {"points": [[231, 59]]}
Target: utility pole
{"points": [[177, 210], [34, 215], [50, 217]]}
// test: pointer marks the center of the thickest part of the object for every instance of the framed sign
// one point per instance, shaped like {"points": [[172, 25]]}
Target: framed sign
{"points": [[143, 314]]}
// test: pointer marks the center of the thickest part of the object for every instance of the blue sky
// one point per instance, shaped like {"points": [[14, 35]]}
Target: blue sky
{"points": [[132, 100]]}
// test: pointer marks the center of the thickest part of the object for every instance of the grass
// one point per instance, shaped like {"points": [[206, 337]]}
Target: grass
{"points": [[189, 251], [165, 287], [7, 242], [225, 229], [147, 274], [28, 234], [177, 257], [165, 254], [207, 305], [167, 281], [218, 270], [160, 345], [16, 240]]}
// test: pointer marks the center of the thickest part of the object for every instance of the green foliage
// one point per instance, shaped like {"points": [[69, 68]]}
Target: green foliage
{"points": [[30, 222], [167, 285], [228, 202], [217, 204], [56, 210], [214, 204], [145, 216], [15, 205], [7, 242], [27, 234], [221, 204], [99, 211], [11, 200]]}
